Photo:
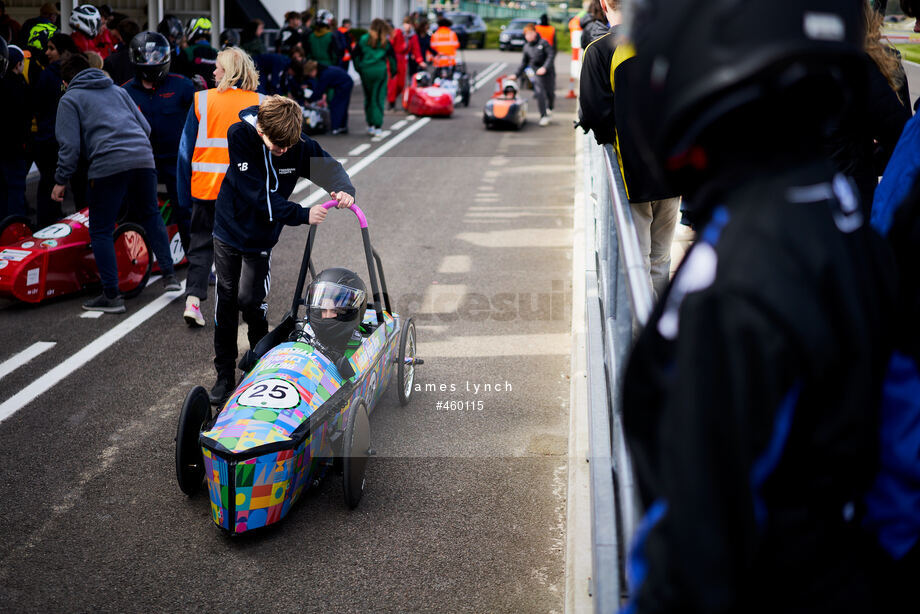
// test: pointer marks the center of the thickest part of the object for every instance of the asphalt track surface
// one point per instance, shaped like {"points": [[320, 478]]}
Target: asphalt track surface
{"points": [[464, 509]]}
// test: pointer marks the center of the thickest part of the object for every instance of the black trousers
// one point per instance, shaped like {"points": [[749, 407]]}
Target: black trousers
{"points": [[200, 252], [243, 282]]}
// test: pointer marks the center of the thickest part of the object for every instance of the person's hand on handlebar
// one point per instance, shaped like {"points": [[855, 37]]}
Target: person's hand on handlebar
{"points": [[318, 214], [345, 199]]}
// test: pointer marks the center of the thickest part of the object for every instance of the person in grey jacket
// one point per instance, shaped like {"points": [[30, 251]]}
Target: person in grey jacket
{"points": [[537, 62], [99, 119]]}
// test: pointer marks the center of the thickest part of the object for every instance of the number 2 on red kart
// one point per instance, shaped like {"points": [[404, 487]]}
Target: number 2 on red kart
{"points": [[271, 393]]}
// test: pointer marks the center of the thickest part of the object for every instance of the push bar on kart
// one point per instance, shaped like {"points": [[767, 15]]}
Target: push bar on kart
{"points": [[362, 219]]}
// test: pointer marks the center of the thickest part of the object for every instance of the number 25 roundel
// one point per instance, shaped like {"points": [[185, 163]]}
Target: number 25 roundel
{"points": [[272, 394]]}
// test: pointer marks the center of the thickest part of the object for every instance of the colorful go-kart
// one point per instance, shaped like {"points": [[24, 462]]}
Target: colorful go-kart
{"points": [[504, 109], [426, 100], [296, 413], [58, 260]]}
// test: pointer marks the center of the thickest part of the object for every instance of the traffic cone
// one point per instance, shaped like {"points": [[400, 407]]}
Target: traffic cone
{"points": [[571, 93]]}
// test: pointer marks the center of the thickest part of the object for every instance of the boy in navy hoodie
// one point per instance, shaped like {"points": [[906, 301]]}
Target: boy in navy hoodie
{"points": [[268, 154]]}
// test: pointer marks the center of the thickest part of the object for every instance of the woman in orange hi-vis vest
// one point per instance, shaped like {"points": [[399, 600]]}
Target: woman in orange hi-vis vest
{"points": [[203, 161], [444, 44]]}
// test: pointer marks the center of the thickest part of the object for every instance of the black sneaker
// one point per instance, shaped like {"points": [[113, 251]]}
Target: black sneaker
{"points": [[106, 304], [171, 284], [222, 390]]}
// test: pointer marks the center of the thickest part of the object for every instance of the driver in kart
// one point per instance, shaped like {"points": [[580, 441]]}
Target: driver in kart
{"points": [[336, 302], [268, 155]]}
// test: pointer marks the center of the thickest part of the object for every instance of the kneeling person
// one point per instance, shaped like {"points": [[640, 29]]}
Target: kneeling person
{"points": [[268, 154]]}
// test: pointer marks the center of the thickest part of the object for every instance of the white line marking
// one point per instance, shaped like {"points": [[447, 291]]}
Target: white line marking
{"points": [[302, 185], [486, 74], [10, 365], [367, 161], [489, 75], [91, 315], [342, 161], [411, 118], [96, 347], [399, 125], [381, 136], [360, 149]]}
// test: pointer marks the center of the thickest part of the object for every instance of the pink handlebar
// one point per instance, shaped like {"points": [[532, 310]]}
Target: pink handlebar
{"points": [[362, 219]]}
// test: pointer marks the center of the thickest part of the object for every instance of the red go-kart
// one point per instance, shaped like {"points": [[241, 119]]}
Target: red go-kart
{"points": [[58, 259], [426, 100]]}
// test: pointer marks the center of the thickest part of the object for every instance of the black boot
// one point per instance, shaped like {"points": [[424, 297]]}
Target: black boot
{"points": [[222, 389]]}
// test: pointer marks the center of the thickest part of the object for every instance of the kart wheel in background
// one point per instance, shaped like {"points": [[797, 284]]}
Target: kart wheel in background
{"points": [[14, 228], [133, 258], [356, 450], [196, 412], [405, 373]]}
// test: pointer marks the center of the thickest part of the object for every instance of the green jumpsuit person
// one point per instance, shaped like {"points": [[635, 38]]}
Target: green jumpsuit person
{"points": [[370, 57]]}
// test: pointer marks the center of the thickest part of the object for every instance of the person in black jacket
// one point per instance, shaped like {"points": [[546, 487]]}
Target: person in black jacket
{"points": [[536, 62], [655, 208], [15, 107], [268, 154], [750, 399]]}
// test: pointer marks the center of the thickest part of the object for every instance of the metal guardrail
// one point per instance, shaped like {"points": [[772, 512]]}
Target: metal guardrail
{"points": [[489, 10], [618, 303]]}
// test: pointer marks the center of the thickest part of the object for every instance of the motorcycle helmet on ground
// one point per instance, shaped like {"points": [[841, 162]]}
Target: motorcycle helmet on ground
{"points": [[324, 19], [150, 55], [336, 302], [229, 38], [704, 70], [422, 79], [87, 19], [171, 28], [198, 27]]}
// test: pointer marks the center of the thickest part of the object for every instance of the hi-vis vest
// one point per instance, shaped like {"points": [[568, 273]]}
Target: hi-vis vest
{"points": [[216, 112], [547, 33], [445, 43]]}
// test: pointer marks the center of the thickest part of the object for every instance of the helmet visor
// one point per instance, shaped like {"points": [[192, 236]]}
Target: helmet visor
{"points": [[150, 53], [329, 300]]}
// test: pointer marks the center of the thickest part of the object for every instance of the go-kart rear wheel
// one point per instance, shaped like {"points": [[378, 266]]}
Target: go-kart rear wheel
{"points": [[405, 373], [196, 412], [14, 228], [356, 450], [133, 258]]}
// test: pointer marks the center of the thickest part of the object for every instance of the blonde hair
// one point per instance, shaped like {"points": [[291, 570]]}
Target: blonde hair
{"points": [[239, 70], [281, 120], [883, 56], [378, 33], [94, 59]]}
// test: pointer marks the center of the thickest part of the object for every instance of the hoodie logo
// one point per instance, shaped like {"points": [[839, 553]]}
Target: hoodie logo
{"points": [[243, 166]]}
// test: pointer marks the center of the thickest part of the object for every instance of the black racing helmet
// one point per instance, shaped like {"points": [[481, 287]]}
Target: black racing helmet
{"points": [[698, 62], [422, 79], [229, 38], [150, 55], [4, 57], [171, 27], [342, 293]]}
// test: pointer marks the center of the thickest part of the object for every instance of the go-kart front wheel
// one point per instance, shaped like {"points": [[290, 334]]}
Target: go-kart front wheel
{"points": [[356, 450], [405, 372], [196, 412], [133, 258], [14, 228]]}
